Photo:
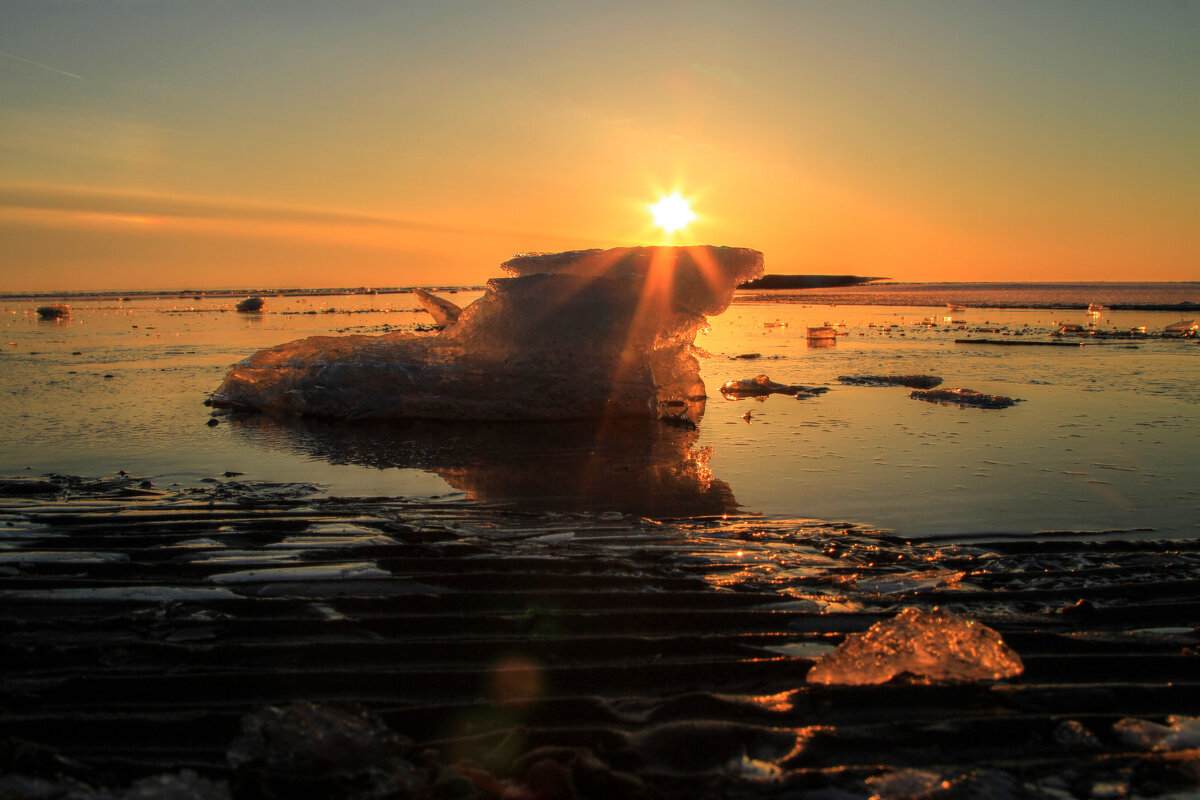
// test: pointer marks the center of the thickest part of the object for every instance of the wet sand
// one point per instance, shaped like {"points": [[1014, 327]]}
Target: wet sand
{"points": [[423, 649]]}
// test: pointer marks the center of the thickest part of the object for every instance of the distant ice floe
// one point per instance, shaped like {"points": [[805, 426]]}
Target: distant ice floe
{"points": [[54, 311], [583, 334], [251, 304]]}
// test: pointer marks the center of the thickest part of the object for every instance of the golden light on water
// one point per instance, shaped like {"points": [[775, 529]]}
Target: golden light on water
{"points": [[672, 213]]}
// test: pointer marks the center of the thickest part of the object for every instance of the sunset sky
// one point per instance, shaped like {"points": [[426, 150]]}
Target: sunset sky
{"points": [[255, 143]]}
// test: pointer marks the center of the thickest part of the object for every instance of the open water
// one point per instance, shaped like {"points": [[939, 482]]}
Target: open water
{"points": [[1103, 442]]}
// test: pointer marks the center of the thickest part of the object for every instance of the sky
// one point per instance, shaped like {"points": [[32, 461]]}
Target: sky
{"points": [[157, 144]]}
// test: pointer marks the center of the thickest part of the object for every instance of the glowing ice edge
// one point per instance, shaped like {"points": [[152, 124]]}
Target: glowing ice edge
{"points": [[929, 645], [575, 335]]}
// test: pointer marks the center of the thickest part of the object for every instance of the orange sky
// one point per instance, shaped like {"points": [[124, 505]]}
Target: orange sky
{"points": [[178, 143]]}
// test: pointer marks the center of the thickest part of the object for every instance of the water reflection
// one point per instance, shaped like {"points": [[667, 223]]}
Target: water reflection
{"points": [[643, 467]]}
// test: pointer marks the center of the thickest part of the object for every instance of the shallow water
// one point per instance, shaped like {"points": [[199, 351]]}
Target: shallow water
{"points": [[1104, 439]]}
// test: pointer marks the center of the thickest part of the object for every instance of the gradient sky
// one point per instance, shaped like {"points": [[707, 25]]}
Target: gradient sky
{"points": [[256, 143]]}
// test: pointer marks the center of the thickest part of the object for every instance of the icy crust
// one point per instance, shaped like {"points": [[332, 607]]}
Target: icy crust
{"points": [[575, 335], [930, 646], [1180, 733], [701, 278]]}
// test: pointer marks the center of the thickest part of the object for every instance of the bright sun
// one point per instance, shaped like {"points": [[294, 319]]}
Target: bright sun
{"points": [[672, 213]]}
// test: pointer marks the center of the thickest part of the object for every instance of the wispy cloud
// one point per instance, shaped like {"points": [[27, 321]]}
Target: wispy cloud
{"points": [[70, 206], [81, 134], [40, 64]]}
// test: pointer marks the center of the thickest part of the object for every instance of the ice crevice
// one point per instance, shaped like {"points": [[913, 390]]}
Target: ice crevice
{"points": [[582, 334]]}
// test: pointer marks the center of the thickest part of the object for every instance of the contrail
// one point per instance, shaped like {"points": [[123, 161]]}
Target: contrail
{"points": [[43, 66]]}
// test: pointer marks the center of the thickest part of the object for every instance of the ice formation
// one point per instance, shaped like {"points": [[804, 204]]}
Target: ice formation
{"points": [[962, 397], [906, 784], [931, 645], [761, 386], [911, 381], [1178, 734], [54, 311], [575, 335], [443, 311]]}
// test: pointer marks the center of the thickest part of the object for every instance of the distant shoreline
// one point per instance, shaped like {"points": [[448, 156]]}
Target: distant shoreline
{"points": [[819, 300], [967, 295], [142, 294]]}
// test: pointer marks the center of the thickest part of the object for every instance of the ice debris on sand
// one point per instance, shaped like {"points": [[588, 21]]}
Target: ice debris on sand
{"points": [[905, 784], [761, 386], [182, 785], [1179, 733], [963, 397], [908, 783], [575, 335], [929, 645], [311, 749]]}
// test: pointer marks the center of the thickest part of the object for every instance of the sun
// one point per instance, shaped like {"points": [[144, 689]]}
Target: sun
{"points": [[672, 213]]}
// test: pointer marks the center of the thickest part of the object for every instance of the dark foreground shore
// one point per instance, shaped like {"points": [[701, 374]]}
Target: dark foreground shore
{"points": [[260, 640]]}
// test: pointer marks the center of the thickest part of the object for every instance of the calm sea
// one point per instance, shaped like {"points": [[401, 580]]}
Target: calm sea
{"points": [[1006, 295], [1103, 439]]}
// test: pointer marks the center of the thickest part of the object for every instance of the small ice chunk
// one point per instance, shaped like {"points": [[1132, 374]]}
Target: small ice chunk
{"points": [[183, 785], [226, 558], [201, 543], [932, 645], [905, 784], [1073, 734], [322, 572], [1179, 733], [324, 611], [373, 539], [754, 770], [312, 749], [761, 386]]}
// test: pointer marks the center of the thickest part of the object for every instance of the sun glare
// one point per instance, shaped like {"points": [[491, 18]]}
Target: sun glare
{"points": [[672, 213]]}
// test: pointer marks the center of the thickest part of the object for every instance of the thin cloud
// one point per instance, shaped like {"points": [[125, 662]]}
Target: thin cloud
{"points": [[96, 204], [40, 64]]}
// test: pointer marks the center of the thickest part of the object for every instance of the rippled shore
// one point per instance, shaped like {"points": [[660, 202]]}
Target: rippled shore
{"points": [[240, 637]]}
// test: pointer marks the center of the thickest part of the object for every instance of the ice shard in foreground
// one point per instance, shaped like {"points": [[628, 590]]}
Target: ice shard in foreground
{"points": [[576, 335], [929, 645]]}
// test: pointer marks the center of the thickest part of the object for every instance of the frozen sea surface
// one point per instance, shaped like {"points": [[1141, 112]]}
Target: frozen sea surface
{"points": [[1104, 438]]}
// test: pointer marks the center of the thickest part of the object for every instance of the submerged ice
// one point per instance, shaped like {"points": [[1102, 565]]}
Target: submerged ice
{"points": [[574, 335]]}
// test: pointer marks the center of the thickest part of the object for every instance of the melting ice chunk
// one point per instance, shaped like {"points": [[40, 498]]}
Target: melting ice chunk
{"points": [[577, 335], [905, 784], [1179, 733], [932, 645]]}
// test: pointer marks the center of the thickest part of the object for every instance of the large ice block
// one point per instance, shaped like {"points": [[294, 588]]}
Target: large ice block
{"points": [[929, 645], [577, 335]]}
